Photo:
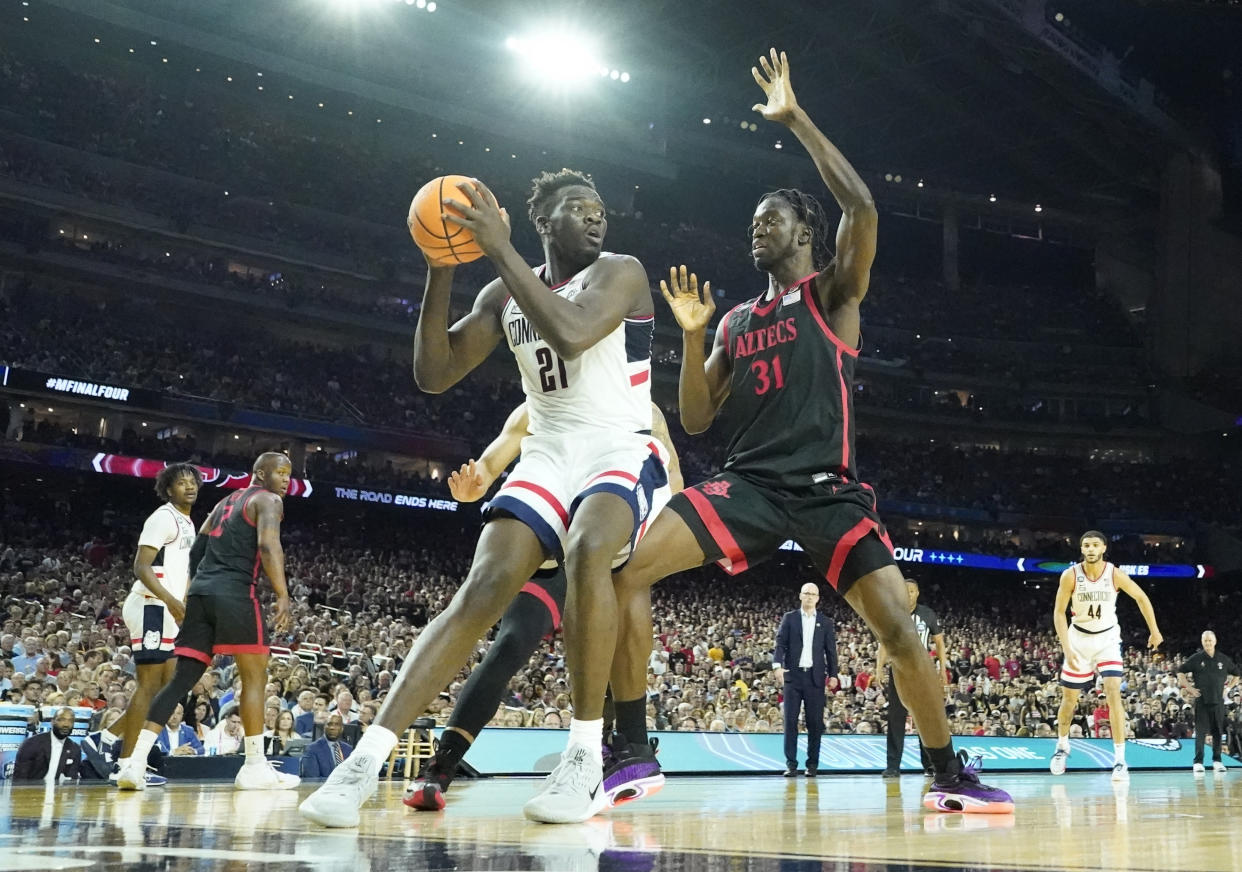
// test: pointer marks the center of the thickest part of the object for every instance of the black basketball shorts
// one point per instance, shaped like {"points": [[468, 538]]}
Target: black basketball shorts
{"points": [[739, 523], [222, 623]]}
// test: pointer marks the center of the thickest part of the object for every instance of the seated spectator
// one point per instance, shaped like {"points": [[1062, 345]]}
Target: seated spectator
{"points": [[177, 738], [274, 742], [327, 752], [305, 724], [228, 735], [50, 756]]}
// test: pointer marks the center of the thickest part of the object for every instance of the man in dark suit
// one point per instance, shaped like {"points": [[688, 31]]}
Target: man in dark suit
{"points": [[805, 655], [36, 754], [325, 754]]}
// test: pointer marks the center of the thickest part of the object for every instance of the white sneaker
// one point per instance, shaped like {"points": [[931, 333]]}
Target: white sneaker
{"points": [[1057, 765], [264, 776], [1121, 772], [131, 776], [1218, 766], [336, 802], [1197, 769], [573, 792]]}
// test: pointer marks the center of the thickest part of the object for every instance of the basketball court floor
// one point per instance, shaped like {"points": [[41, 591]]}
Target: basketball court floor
{"points": [[1165, 821]]}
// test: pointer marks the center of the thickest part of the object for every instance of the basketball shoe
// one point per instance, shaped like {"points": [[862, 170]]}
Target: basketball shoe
{"points": [[630, 771], [1121, 772], [131, 775], [1057, 765], [336, 802], [962, 791], [573, 793], [427, 793], [1218, 766], [264, 776], [151, 779]]}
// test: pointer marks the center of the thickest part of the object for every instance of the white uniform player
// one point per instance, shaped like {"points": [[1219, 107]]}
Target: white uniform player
{"points": [[590, 426], [1094, 633], [1091, 640], [152, 629]]}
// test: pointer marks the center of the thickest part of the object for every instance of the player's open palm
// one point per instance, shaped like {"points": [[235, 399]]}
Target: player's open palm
{"points": [[467, 484], [693, 308], [774, 79]]}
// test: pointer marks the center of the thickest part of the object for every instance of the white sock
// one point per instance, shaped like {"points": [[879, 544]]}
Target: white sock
{"points": [[108, 736], [589, 734], [377, 742], [142, 748], [1119, 753], [254, 750], [1063, 743]]}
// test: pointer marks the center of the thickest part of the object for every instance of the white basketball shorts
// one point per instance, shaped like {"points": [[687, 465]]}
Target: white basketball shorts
{"points": [[556, 473], [152, 630], [1091, 653]]}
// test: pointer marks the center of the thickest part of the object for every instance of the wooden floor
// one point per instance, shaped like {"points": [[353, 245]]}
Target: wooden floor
{"points": [[1165, 821]]}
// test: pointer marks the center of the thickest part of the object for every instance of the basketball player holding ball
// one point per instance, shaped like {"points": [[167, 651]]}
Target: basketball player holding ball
{"points": [[780, 377], [580, 327]]}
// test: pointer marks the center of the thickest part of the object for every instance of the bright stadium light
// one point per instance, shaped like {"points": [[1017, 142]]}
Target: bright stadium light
{"points": [[561, 57]]}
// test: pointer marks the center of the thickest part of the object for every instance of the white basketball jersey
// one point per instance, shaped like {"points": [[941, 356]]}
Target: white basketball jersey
{"points": [[1094, 607], [172, 535], [607, 387]]}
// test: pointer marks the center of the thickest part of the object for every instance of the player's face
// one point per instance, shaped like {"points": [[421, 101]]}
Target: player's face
{"points": [[577, 223], [774, 231], [277, 479], [1092, 549], [184, 490]]}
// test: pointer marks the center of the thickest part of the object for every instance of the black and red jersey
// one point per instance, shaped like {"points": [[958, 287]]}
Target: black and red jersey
{"points": [[790, 414], [232, 556]]}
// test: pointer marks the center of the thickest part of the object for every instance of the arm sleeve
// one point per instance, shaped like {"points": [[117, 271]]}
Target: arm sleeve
{"points": [[830, 646], [159, 530], [779, 656], [310, 763], [1186, 665], [24, 767]]}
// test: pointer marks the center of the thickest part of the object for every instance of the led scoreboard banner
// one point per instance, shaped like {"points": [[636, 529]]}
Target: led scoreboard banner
{"points": [[141, 467], [971, 560]]}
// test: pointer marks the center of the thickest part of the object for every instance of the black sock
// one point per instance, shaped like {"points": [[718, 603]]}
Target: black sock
{"points": [[943, 760], [453, 746], [632, 720]]}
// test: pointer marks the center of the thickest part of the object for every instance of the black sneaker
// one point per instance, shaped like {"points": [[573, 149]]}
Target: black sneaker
{"points": [[631, 771]]}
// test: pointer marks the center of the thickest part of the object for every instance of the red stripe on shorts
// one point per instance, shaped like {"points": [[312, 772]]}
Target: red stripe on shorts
{"points": [[547, 498], [844, 545], [546, 598], [718, 531]]}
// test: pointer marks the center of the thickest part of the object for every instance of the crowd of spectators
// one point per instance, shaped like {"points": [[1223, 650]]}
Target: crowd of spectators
{"points": [[359, 608]]}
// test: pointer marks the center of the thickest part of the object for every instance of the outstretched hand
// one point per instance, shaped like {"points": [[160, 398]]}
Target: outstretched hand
{"points": [[467, 484], [692, 310], [481, 214], [774, 79]]}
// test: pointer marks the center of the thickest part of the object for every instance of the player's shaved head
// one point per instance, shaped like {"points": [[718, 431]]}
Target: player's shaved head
{"points": [[269, 460]]}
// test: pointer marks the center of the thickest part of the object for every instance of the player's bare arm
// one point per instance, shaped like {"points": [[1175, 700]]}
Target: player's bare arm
{"points": [[443, 355], [841, 291], [705, 381], [659, 429], [1065, 590], [144, 572], [1126, 584], [615, 286], [473, 479], [268, 511]]}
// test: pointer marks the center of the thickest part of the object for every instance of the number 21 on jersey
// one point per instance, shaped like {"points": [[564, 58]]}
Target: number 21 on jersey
{"points": [[550, 367]]}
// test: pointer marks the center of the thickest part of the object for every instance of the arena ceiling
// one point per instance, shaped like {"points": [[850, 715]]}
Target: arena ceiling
{"points": [[954, 92]]}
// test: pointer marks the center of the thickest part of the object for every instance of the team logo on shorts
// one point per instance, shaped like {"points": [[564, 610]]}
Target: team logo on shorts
{"points": [[643, 506], [716, 489], [151, 639]]}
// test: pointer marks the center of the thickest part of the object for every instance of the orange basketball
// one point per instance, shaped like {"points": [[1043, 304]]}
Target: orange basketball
{"points": [[443, 242]]}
